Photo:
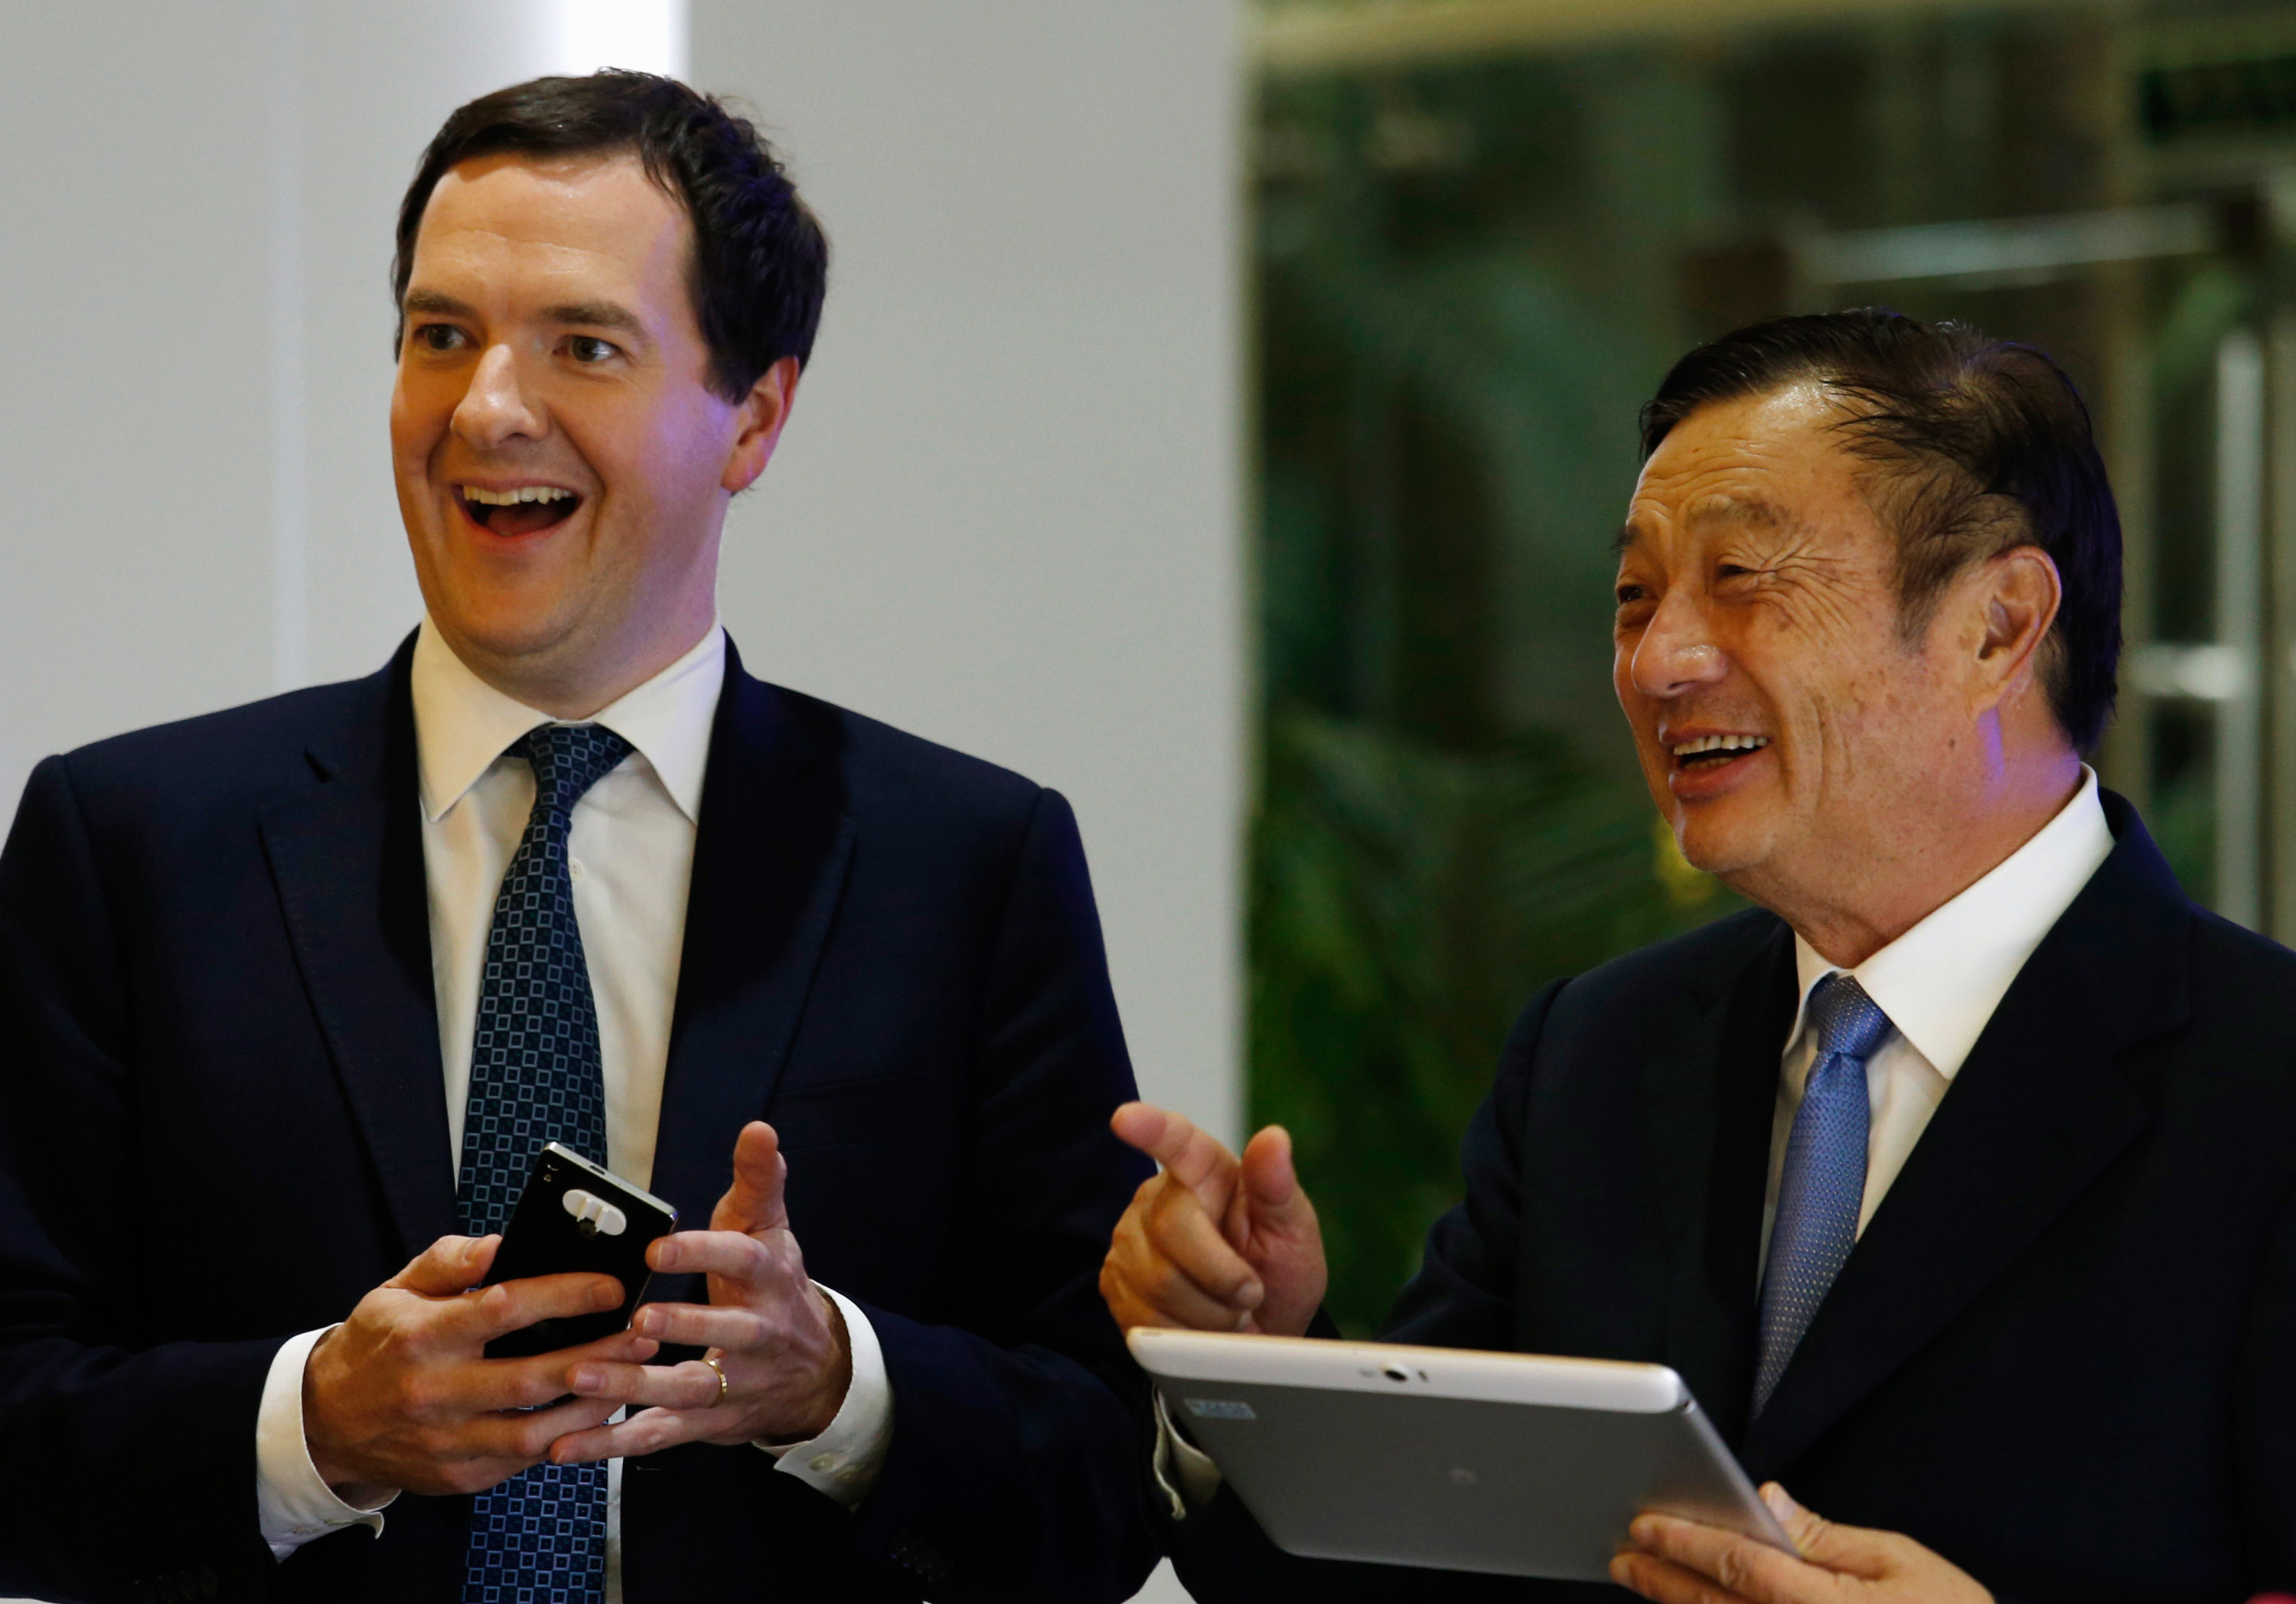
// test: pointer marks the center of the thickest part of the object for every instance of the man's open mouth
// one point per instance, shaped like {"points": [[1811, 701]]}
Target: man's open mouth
{"points": [[525, 510], [1712, 751]]}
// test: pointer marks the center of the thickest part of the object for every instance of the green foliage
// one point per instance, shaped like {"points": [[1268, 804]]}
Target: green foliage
{"points": [[1406, 903]]}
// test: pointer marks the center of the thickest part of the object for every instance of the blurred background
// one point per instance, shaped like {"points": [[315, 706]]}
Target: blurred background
{"points": [[1480, 231], [1220, 413]]}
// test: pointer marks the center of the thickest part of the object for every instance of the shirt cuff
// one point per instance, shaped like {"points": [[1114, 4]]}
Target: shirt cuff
{"points": [[291, 1503], [1185, 1472], [844, 1461]]}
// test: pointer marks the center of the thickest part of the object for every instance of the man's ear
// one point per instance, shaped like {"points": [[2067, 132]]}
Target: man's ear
{"points": [[2021, 592], [763, 411]]}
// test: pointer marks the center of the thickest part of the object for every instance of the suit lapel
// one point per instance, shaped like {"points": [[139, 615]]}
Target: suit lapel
{"points": [[1709, 1100], [2039, 1109], [346, 859], [769, 865]]}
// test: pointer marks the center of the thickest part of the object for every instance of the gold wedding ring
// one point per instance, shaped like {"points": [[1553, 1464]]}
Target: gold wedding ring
{"points": [[724, 1386]]}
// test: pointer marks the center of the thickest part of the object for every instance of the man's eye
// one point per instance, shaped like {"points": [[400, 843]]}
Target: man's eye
{"points": [[1628, 595], [438, 337], [1730, 570], [589, 349]]}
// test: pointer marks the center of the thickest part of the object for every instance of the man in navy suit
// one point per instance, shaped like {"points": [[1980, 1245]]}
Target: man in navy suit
{"points": [[295, 993], [1959, 1180]]}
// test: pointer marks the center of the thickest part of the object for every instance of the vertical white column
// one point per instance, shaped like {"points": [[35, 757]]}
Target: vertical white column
{"points": [[2240, 625], [647, 35]]}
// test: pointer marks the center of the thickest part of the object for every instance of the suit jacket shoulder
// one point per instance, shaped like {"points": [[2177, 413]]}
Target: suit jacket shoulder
{"points": [[1629, 1004], [239, 752], [906, 768]]}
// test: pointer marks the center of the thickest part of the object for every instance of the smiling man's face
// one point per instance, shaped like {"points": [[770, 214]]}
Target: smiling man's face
{"points": [[563, 465], [1787, 728]]}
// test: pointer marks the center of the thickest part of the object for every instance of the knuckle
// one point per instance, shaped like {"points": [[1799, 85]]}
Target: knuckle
{"points": [[1169, 1202]]}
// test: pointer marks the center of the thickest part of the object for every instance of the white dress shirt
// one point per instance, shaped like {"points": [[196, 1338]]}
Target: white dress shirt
{"points": [[1939, 982], [631, 861]]}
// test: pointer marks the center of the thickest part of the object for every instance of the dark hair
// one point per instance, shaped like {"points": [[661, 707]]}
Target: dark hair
{"points": [[760, 261], [1984, 445]]}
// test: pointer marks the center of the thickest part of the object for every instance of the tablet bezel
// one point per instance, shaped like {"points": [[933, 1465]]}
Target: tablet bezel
{"points": [[1219, 1382], [1473, 1374]]}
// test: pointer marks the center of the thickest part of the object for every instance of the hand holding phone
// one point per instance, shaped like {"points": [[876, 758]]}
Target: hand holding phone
{"points": [[577, 1215]]}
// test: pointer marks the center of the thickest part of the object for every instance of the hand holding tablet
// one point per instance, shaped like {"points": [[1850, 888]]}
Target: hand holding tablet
{"points": [[1513, 1463]]}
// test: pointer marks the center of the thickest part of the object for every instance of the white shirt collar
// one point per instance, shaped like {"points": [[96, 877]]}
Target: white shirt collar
{"points": [[461, 723], [1940, 981]]}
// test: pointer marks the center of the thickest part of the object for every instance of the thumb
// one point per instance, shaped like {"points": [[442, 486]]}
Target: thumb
{"points": [[1278, 1205], [1850, 1551], [449, 1265], [754, 1202]]}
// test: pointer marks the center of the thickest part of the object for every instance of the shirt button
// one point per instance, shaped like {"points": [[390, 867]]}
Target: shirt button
{"points": [[822, 1461], [849, 1475], [574, 868]]}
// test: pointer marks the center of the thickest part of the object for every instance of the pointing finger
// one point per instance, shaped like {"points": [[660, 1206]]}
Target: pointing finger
{"points": [[1188, 1155]]}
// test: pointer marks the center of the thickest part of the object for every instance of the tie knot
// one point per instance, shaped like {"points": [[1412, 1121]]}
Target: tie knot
{"points": [[1846, 1021], [568, 759]]}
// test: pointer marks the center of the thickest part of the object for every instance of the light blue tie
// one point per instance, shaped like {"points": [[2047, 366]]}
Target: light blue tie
{"points": [[1823, 1182]]}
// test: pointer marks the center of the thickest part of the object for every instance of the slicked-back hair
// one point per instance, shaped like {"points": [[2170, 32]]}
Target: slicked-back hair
{"points": [[1977, 446], [761, 262]]}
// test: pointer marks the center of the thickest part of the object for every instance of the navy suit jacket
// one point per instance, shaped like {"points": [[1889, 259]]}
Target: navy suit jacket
{"points": [[222, 1122], [2063, 1352]]}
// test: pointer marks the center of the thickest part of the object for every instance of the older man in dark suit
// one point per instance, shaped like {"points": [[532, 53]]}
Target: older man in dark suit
{"points": [[1960, 1184], [296, 992]]}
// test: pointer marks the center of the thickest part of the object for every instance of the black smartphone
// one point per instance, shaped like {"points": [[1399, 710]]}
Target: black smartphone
{"points": [[577, 1215]]}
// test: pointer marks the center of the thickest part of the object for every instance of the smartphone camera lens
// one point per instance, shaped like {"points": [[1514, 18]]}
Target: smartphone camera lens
{"points": [[1396, 1372]]}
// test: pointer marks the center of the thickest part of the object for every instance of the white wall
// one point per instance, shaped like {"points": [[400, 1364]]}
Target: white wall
{"points": [[1004, 515]]}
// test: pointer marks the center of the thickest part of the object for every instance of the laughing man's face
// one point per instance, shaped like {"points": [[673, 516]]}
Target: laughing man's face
{"points": [[1784, 722], [563, 466]]}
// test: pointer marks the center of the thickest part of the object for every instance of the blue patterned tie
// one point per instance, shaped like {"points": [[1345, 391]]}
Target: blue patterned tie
{"points": [[540, 1537], [1823, 1182]]}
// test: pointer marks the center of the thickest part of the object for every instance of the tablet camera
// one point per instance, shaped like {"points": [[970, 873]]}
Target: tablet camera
{"points": [[1396, 1372]]}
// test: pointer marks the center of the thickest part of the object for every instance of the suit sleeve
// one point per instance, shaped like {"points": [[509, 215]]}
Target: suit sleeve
{"points": [[126, 1466], [1012, 1474], [1463, 1296]]}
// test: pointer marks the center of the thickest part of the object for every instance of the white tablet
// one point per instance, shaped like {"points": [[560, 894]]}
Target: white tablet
{"points": [[1513, 1463]]}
